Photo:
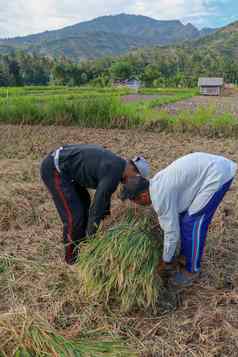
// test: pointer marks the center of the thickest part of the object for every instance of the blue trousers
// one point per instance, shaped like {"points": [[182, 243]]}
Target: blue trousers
{"points": [[194, 230]]}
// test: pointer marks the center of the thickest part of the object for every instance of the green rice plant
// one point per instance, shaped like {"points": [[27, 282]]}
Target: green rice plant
{"points": [[47, 91], [82, 106], [224, 124], [44, 97], [204, 120], [24, 335], [20, 110], [12, 91], [161, 120], [120, 266], [169, 91], [167, 99], [103, 108], [190, 121], [96, 111]]}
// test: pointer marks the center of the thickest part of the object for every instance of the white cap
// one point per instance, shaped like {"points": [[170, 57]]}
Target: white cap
{"points": [[142, 165]]}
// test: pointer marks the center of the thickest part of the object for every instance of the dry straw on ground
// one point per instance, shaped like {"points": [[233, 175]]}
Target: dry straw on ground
{"points": [[26, 335], [199, 322]]}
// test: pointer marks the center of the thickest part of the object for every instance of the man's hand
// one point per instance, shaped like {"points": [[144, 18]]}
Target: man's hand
{"points": [[92, 229], [181, 260], [165, 267]]}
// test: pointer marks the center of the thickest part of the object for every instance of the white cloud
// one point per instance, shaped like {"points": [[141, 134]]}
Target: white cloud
{"points": [[20, 17]]}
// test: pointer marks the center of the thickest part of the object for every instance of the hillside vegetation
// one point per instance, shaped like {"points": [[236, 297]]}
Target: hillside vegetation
{"points": [[171, 66], [224, 41], [107, 35]]}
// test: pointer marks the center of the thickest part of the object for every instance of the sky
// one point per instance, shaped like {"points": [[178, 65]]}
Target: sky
{"points": [[23, 17]]}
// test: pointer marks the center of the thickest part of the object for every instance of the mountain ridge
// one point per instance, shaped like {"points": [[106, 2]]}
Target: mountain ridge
{"points": [[145, 31]]}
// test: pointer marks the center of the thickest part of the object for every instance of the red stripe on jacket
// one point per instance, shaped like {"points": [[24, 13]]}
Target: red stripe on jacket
{"points": [[69, 246]]}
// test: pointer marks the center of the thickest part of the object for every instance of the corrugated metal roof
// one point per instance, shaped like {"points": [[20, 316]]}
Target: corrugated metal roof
{"points": [[210, 82]]}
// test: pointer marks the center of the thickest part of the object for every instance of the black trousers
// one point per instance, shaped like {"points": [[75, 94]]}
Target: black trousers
{"points": [[72, 203]]}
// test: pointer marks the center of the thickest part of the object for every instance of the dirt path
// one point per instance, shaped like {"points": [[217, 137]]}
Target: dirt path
{"points": [[222, 104]]}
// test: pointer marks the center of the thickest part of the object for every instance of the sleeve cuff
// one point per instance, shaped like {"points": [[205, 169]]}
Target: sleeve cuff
{"points": [[168, 254], [167, 261]]}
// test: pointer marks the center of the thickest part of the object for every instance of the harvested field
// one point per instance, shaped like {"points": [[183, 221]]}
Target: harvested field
{"points": [[34, 280], [224, 104], [138, 97]]}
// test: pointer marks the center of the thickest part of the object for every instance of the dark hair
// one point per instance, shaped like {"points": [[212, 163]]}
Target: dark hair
{"points": [[133, 187]]}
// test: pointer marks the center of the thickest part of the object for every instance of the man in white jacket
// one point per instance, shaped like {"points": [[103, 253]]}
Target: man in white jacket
{"points": [[185, 196]]}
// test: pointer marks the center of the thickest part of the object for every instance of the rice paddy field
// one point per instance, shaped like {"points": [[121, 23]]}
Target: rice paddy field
{"points": [[108, 308], [167, 110], [85, 107]]}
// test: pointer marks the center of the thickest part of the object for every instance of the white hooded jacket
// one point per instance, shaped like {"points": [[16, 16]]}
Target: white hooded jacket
{"points": [[186, 185]]}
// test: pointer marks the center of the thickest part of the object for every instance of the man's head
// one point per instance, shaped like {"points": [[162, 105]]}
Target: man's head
{"points": [[136, 189], [136, 166]]}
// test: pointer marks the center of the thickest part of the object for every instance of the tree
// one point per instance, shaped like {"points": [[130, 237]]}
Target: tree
{"points": [[4, 76], [121, 70], [151, 74], [59, 73], [14, 71]]}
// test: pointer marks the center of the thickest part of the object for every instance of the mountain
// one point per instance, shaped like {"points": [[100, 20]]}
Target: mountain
{"points": [[107, 35], [224, 41], [84, 45], [206, 31]]}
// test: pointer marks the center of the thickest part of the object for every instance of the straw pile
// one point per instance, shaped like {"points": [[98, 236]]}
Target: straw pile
{"points": [[120, 266], [25, 335], [24, 205]]}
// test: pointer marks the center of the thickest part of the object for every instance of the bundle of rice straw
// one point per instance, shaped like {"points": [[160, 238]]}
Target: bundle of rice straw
{"points": [[25, 335], [120, 265]]}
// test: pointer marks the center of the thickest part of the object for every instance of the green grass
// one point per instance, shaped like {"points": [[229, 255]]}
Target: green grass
{"points": [[203, 121]]}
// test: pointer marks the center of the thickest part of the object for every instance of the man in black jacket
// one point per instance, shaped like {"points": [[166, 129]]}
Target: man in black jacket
{"points": [[69, 171]]}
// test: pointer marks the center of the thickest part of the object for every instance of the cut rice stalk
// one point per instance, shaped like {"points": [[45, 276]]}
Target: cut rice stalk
{"points": [[23, 335], [120, 265]]}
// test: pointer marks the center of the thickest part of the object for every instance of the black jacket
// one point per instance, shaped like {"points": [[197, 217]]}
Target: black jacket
{"points": [[93, 167]]}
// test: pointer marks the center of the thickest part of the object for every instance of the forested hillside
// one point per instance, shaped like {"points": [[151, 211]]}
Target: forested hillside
{"points": [[214, 55], [107, 35]]}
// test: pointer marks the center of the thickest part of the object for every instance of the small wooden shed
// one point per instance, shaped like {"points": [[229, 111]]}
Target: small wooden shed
{"points": [[211, 86]]}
